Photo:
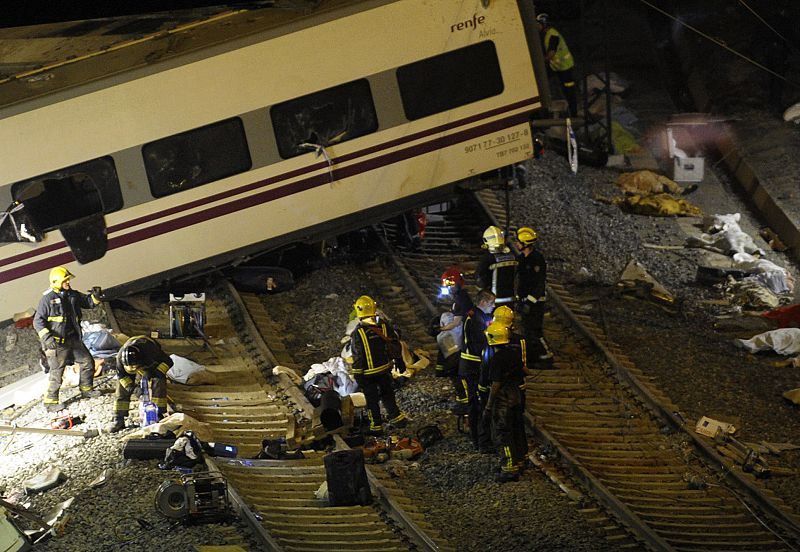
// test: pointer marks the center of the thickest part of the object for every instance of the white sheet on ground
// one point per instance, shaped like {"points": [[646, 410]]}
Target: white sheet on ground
{"points": [[337, 367], [182, 369], [784, 341]]}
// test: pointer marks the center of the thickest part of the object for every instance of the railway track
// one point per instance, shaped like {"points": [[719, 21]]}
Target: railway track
{"points": [[613, 431], [245, 405]]}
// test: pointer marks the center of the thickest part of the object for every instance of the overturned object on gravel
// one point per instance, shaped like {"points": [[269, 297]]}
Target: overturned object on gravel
{"points": [[784, 341], [722, 234], [636, 278], [657, 205], [647, 183]]}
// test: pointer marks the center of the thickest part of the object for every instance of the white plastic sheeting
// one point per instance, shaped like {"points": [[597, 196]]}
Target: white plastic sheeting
{"points": [[784, 341]]}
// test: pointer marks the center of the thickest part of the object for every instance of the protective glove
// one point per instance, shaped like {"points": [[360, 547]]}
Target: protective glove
{"points": [[97, 294], [49, 343]]}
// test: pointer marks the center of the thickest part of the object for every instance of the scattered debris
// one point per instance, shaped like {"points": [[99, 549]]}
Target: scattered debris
{"points": [[773, 240], [635, 277], [658, 205], [712, 428], [750, 293], [784, 341], [11, 341], [747, 457], [101, 479], [45, 480]]}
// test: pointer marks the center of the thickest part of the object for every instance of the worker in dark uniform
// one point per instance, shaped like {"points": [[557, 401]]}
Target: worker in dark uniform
{"points": [[58, 323], [144, 357], [497, 266], [453, 286], [559, 60], [504, 405], [474, 341], [372, 365], [531, 290]]}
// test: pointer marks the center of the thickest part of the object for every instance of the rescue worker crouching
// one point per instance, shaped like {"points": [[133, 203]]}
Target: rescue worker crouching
{"points": [[58, 323], [532, 292], [372, 365], [497, 267], [504, 405], [144, 357]]}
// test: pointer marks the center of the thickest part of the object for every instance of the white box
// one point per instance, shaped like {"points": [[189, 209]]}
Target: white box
{"points": [[688, 169]]}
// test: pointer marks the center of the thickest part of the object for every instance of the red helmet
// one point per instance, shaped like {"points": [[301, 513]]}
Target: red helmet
{"points": [[452, 277]]}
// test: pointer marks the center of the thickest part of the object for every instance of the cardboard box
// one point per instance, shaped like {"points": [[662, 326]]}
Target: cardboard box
{"points": [[688, 169]]}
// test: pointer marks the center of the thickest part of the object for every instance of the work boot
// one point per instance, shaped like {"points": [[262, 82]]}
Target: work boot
{"points": [[54, 407], [506, 476], [91, 394], [117, 425]]}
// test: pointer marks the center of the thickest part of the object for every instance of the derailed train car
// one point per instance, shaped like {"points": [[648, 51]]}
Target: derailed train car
{"points": [[250, 130]]}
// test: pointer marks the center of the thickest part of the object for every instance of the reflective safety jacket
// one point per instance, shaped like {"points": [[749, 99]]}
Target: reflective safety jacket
{"points": [[532, 277], [370, 346], [59, 314], [515, 343], [473, 341], [553, 41], [496, 272], [155, 362]]}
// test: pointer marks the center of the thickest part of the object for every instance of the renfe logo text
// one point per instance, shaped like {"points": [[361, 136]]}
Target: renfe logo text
{"points": [[474, 22]]}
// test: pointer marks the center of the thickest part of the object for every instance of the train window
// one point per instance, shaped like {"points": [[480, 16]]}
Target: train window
{"points": [[69, 194], [449, 80], [196, 157], [324, 118]]}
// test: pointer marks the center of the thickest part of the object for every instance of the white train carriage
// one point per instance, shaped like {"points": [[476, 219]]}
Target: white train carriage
{"points": [[190, 148]]}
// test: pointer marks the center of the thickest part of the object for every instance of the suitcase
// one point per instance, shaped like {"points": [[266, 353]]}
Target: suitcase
{"points": [[347, 478], [147, 449]]}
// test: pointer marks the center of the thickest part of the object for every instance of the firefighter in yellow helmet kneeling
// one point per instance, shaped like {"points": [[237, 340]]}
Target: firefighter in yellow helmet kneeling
{"points": [[58, 323], [372, 365]]}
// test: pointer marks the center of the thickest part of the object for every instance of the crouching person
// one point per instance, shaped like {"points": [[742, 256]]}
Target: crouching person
{"points": [[143, 357], [504, 404]]}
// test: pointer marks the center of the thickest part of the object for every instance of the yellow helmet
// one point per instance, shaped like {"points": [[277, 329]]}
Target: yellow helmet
{"points": [[494, 238], [365, 306], [527, 236], [58, 276], [497, 334], [503, 315]]}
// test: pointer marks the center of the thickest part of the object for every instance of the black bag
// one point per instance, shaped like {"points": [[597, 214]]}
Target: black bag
{"points": [[347, 478], [317, 387], [146, 449]]}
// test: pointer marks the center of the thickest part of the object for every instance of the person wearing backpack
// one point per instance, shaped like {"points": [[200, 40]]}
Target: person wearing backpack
{"points": [[372, 365]]}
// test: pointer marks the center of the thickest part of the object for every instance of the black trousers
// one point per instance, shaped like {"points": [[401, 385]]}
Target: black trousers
{"points": [[378, 389], [158, 394], [57, 360], [508, 431]]}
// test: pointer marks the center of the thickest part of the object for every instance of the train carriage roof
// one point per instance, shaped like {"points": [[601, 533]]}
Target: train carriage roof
{"points": [[38, 61]]}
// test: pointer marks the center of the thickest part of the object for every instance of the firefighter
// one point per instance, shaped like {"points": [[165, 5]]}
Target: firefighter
{"points": [[531, 290], [497, 266], [472, 345], [453, 286], [58, 323], [144, 357], [372, 365], [559, 60], [504, 406]]}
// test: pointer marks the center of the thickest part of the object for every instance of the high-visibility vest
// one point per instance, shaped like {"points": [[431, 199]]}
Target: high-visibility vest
{"points": [[562, 60]]}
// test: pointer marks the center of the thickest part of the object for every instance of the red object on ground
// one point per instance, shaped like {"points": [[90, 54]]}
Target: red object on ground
{"points": [[24, 322], [785, 317]]}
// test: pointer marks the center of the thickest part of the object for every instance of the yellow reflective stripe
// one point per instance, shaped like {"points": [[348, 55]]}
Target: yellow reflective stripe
{"points": [[85, 388], [509, 461], [483, 388], [399, 417], [59, 339], [125, 382], [43, 332], [163, 368], [159, 402], [95, 300], [533, 299], [367, 350], [467, 356], [503, 264], [524, 346], [48, 400], [377, 369], [122, 406], [55, 318]]}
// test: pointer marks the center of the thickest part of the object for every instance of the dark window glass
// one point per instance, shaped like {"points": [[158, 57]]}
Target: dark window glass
{"points": [[196, 157], [69, 194], [324, 118], [449, 80]]}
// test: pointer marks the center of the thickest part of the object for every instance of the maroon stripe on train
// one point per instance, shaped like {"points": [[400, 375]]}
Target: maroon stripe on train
{"points": [[285, 176], [277, 193]]}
